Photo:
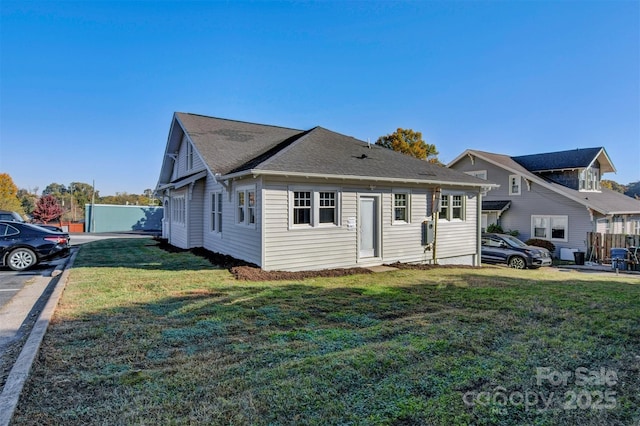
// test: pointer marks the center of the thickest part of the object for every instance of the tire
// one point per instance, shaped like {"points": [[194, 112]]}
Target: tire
{"points": [[21, 258], [517, 262]]}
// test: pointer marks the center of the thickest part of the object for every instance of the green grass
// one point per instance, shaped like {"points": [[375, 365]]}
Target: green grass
{"points": [[143, 336]]}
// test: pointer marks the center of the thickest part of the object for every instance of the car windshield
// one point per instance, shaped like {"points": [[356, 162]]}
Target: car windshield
{"points": [[513, 241]]}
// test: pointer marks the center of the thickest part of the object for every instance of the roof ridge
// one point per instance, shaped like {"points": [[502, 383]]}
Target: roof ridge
{"points": [[237, 121]]}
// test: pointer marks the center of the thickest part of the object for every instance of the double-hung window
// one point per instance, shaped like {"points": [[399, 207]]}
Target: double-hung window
{"points": [[246, 206], [216, 212], [401, 208], [313, 208], [302, 207], [452, 207], [327, 208]]}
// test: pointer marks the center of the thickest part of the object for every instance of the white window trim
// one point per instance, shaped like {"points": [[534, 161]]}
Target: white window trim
{"points": [[315, 207], [448, 217], [549, 227], [519, 180], [215, 198], [189, 156], [178, 210], [246, 189], [407, 208]]}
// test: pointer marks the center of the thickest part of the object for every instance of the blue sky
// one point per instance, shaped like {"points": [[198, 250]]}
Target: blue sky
{"points": [[88, 89]]}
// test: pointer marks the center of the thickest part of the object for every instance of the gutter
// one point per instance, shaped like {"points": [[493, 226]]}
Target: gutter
{"points": [[256, 172]]}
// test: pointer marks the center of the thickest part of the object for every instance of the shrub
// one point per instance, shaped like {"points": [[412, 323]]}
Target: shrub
{"points": [[497, 229], [541, 243]]}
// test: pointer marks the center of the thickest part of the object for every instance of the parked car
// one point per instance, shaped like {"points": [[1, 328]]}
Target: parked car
{"points": [[15, 217], [23, 245], [504, 248]]}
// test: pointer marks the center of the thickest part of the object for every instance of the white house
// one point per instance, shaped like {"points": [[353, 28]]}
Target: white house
{"points": [[287, 199]]}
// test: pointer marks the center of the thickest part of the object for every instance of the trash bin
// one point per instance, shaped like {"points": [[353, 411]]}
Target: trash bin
{"points": [[578, 257], [619, 258]]}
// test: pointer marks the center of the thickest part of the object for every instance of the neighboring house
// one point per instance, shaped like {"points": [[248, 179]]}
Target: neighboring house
{"points": [[288, 199], [554, 196]]}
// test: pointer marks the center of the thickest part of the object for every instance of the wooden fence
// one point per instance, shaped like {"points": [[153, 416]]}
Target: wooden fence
{"points": [[599, 245]]}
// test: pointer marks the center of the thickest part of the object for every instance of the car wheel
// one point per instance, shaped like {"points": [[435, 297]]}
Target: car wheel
{"points": [[21, 259], [517, 262]]}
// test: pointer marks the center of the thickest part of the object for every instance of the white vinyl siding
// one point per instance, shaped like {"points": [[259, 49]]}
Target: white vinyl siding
{"points": [[292, 247], [187, 161], [241, 242]]}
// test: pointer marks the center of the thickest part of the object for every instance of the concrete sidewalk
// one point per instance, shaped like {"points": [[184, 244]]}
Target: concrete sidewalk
{"points": [[17, 320]]}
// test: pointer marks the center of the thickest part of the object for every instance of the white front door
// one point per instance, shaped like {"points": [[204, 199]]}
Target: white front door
{"points": [[368, 226]]}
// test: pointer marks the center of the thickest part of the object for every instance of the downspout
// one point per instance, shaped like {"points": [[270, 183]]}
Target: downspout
{"points": [[478, 260]]}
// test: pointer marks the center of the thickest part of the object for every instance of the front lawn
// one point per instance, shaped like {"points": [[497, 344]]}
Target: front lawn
{"points": [[143, 336]]}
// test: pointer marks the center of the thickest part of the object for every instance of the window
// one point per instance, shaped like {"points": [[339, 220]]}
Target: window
{"points": [[456, 207], [189, 156], [636, 227], [302, 207], [401, 208], [313, 208], [514, 185], [178, 210], [216, 212], [590, 180], [444, 206], [327, 207], [550, 227], [246, 206], [452, 207]]}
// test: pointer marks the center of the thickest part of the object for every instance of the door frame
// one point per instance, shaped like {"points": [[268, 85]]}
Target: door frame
{"points": [[377, 226]]}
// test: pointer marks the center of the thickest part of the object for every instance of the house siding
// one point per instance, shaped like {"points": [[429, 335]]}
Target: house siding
{"points": [[454, 244], [533, 200], [237, 240], [291, 248]]}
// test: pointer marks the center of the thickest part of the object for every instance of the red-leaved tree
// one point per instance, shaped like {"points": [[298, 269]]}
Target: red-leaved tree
{"points": [[47, 209]]}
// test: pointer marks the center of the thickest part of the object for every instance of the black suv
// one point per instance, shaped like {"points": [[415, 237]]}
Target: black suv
{"points": [[504, 248]]}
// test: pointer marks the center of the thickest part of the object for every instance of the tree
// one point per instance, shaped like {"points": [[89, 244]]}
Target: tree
{"points": [[9, 194], [409, 142], [55, 189], [47, 209], [28, 200], [613, 185]]}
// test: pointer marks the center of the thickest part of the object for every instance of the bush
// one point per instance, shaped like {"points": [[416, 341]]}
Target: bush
{"points": [[497, 229], [541, 243]]}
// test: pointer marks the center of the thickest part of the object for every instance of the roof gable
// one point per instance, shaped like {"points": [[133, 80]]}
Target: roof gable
{"points": [[566, 160]]}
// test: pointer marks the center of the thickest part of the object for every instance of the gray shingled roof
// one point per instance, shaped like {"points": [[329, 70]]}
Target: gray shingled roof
{"points": [[604, 201], [561, 160], [234, 147], [227, 144], [489, 205]]}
